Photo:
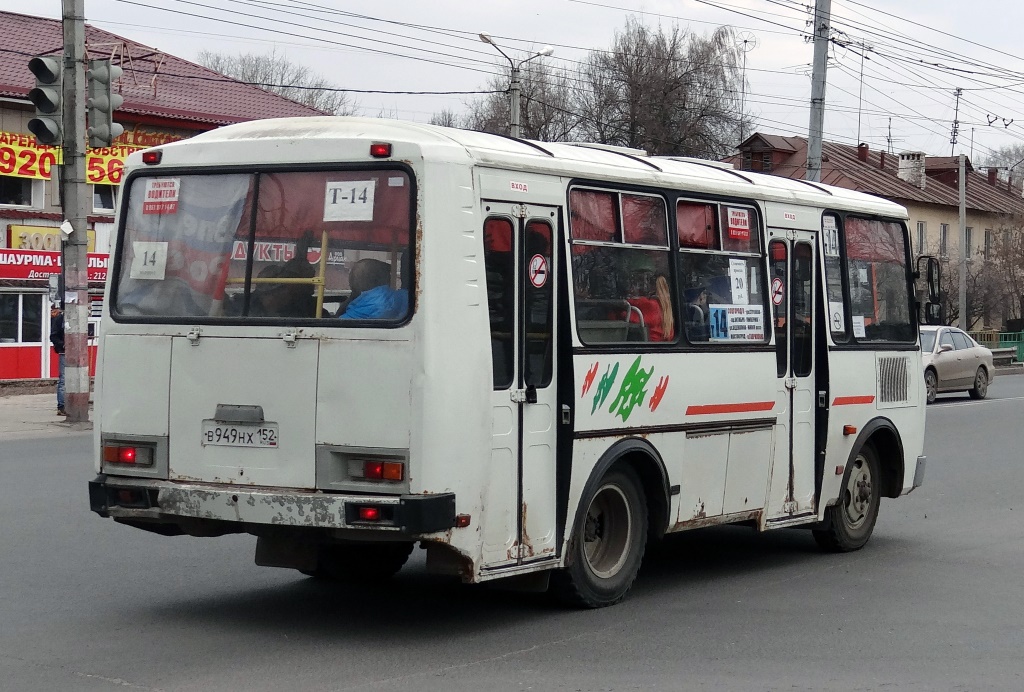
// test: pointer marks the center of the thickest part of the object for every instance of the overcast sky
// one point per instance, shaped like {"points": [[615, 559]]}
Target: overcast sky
{"points": [[976, 42]]}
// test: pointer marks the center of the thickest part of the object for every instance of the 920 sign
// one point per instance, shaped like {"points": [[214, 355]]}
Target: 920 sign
{"points": [[26, 163]]}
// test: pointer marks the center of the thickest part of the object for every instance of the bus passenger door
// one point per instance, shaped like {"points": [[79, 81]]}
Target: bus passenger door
{"points": [[520, 516], [793, 273]]}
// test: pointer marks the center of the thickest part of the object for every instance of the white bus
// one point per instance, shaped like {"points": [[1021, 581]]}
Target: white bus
{"points": [[348, 336]]}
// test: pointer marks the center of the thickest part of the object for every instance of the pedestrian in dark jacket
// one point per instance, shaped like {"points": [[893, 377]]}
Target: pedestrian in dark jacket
{"points": [[57, 339]]}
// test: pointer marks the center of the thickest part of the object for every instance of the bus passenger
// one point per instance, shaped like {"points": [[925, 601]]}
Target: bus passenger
{"points": [[697, 313], [372, 296]]}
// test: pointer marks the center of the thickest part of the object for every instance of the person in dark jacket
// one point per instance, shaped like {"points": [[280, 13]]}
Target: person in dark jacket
{"points": [[57, 339]]}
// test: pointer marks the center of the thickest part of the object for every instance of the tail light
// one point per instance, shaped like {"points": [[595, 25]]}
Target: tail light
{"points": [[377, 470], [134, 455]]}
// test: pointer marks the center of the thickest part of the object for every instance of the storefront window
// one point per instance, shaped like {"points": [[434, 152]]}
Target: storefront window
{"points": [[21, 318]]}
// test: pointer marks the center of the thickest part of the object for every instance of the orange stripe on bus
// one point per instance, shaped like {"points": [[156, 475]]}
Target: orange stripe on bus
{"points": [[730, 408], [844, 400]]}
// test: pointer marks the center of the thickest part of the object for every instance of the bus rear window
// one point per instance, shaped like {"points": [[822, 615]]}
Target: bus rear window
{"points": [[277, 246]]}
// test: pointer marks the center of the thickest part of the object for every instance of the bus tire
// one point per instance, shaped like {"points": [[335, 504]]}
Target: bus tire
{"points": [[360, 563], [980, 390], [851, 519], [607, 543]]}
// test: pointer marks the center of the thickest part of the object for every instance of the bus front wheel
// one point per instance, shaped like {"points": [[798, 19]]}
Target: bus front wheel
{"points": [[607, 544], [852, 518]]}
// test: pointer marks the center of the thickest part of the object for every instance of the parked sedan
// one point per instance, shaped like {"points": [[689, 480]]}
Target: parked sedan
{"points": [[953, 361]]}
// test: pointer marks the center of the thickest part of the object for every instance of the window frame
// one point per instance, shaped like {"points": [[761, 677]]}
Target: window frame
{"points": [[255, 171], [620, 244], [853, 342], [721, 206], [37, 196], [19, 337]]}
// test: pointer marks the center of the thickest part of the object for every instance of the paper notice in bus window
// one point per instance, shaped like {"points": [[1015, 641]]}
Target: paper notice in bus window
{"points": [[149, 261], [396, 181], [349, 200], [858, 326], [736, 323], [829, 237], [738, 281], [739, 224], [161, 196], [837, 317]]}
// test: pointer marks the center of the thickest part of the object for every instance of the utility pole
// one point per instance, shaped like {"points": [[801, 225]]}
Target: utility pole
{"points": [[822, 28], [74, 202], [956, 122], [864, 48], [963, 243], [515, 86]]}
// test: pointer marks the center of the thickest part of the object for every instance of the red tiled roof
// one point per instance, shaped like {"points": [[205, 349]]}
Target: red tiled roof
{"points": [[153, 84], [842, 167]]}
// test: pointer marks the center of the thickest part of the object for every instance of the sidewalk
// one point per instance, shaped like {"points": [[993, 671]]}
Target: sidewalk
{"points": [[35, 415]]}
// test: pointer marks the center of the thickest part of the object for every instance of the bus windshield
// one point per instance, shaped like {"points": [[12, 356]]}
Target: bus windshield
{"points": [[277, 246]]}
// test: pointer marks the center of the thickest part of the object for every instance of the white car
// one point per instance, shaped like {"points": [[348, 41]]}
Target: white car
{"points": [[953, 361]]}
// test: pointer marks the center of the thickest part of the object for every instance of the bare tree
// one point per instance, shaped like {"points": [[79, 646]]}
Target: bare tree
{"points": [[1009, 160], [277, 74], [546, 104], [664, 91], [446, 118]]}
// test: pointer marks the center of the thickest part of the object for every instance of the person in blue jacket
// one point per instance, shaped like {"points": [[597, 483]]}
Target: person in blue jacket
{"points": [[372, 296]]}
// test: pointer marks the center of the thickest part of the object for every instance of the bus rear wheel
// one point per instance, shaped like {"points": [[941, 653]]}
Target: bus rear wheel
{"points": [[852, 518], [607, 544], [360, 562]]}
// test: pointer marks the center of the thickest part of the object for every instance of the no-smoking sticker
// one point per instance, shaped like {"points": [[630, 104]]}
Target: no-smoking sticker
{"points": [[778, 291], [538, 271]]}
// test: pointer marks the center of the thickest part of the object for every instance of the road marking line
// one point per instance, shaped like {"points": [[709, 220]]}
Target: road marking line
{"points": [[978, 403]]}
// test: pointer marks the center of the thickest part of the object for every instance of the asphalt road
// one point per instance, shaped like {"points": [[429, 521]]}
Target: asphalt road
{"points": [[934, 602]]}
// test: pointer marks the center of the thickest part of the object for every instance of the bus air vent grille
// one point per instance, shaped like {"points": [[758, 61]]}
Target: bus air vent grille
{"points": [[893, 383]]}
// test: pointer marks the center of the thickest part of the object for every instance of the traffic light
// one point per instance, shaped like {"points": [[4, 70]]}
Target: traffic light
{"points": [[47, 97], [103, 102]]}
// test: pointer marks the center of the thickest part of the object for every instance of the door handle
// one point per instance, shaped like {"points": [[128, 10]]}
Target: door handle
{"points": [[531, 394]]}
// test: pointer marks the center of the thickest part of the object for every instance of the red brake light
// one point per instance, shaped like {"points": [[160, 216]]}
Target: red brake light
{"points": [[152, 157], [369, 514], [380, 150], [122, 454], [383, 470]]}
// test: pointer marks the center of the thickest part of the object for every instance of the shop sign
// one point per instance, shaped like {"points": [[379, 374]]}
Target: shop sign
{"points": [[40, 238], [33, 264], [22, 157]]}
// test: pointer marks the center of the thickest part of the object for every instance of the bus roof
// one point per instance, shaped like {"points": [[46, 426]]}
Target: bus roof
{"points": [[306, 138]]}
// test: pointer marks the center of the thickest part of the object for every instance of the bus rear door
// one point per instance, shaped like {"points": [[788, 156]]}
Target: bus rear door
{"points": [[519, 524], [792, 268]]}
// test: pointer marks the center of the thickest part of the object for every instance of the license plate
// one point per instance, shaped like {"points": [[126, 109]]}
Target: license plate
{"points": [[232, 435]]}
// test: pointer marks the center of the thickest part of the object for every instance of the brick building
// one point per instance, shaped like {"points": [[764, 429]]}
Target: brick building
{"points": [[165, 99]]}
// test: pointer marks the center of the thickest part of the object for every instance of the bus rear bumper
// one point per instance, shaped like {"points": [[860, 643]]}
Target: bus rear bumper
{"points": [[145, 501]]}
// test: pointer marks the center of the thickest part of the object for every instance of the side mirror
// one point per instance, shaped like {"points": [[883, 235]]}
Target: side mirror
{"points": [[945, 348], [932, 273], [933, 313]]}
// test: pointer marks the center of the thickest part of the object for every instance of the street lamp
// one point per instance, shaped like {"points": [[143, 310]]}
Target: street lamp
{"points": [[515, 87]]}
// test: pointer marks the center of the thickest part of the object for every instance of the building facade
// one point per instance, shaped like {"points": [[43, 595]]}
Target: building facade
{"points": [[166, 98], [928, 186]]}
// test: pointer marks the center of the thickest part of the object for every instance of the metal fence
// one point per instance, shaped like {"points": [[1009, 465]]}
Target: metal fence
{"points": [[995, 340]]}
